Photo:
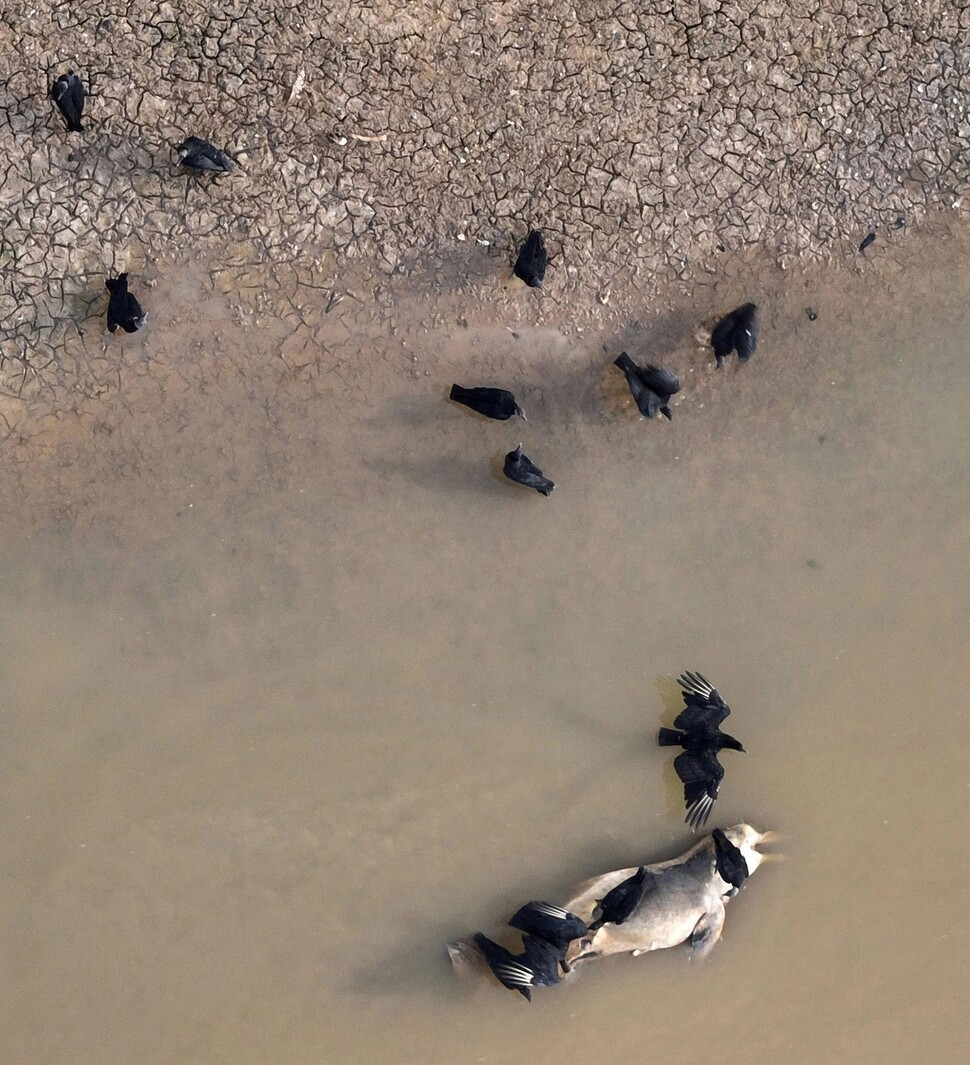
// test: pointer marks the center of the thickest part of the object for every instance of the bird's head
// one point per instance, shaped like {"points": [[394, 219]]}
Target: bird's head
{"points": [[734, 745], [747, 840], [520, 412]]}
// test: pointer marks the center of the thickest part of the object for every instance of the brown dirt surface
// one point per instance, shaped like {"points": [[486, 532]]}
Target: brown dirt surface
{"points": [[640, 136], [662, 147]]}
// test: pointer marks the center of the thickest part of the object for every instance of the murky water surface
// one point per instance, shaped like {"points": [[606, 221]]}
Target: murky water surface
{"points": [[289, 705]]}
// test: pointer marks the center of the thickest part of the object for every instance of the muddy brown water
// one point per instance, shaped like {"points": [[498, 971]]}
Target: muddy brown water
{"points": [[296, 689]]}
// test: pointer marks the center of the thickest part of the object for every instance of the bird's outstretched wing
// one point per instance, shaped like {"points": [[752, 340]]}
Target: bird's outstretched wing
{"points": [[702, 774], [704, 709], [552, 923]]}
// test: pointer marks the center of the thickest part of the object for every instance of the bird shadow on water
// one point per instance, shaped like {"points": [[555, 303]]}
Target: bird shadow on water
{"points": [[420, 411], [664, 336], [416, 966], [673, 702], [595, 728], [562, 393], [670, 695], [443, 473]]}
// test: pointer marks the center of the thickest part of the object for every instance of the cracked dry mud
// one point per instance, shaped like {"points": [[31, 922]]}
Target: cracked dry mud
{"points": [[649, 141]]}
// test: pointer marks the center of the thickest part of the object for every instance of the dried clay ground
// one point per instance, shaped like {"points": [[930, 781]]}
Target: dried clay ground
{"points": [[650, 141]]}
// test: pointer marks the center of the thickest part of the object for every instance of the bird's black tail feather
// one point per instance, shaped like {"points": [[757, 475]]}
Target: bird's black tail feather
{"points": [[624, 362], [670, 737], [511, 971]]}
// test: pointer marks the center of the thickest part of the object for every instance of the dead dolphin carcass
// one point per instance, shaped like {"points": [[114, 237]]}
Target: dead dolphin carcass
{"points": [[680, 900], [683, 900]]}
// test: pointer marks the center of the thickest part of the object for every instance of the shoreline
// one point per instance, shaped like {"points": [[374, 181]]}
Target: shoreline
{"points": [[244, 381]]}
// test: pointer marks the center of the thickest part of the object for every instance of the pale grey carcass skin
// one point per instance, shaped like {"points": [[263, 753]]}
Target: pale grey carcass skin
{"points": [[683, 902]]}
